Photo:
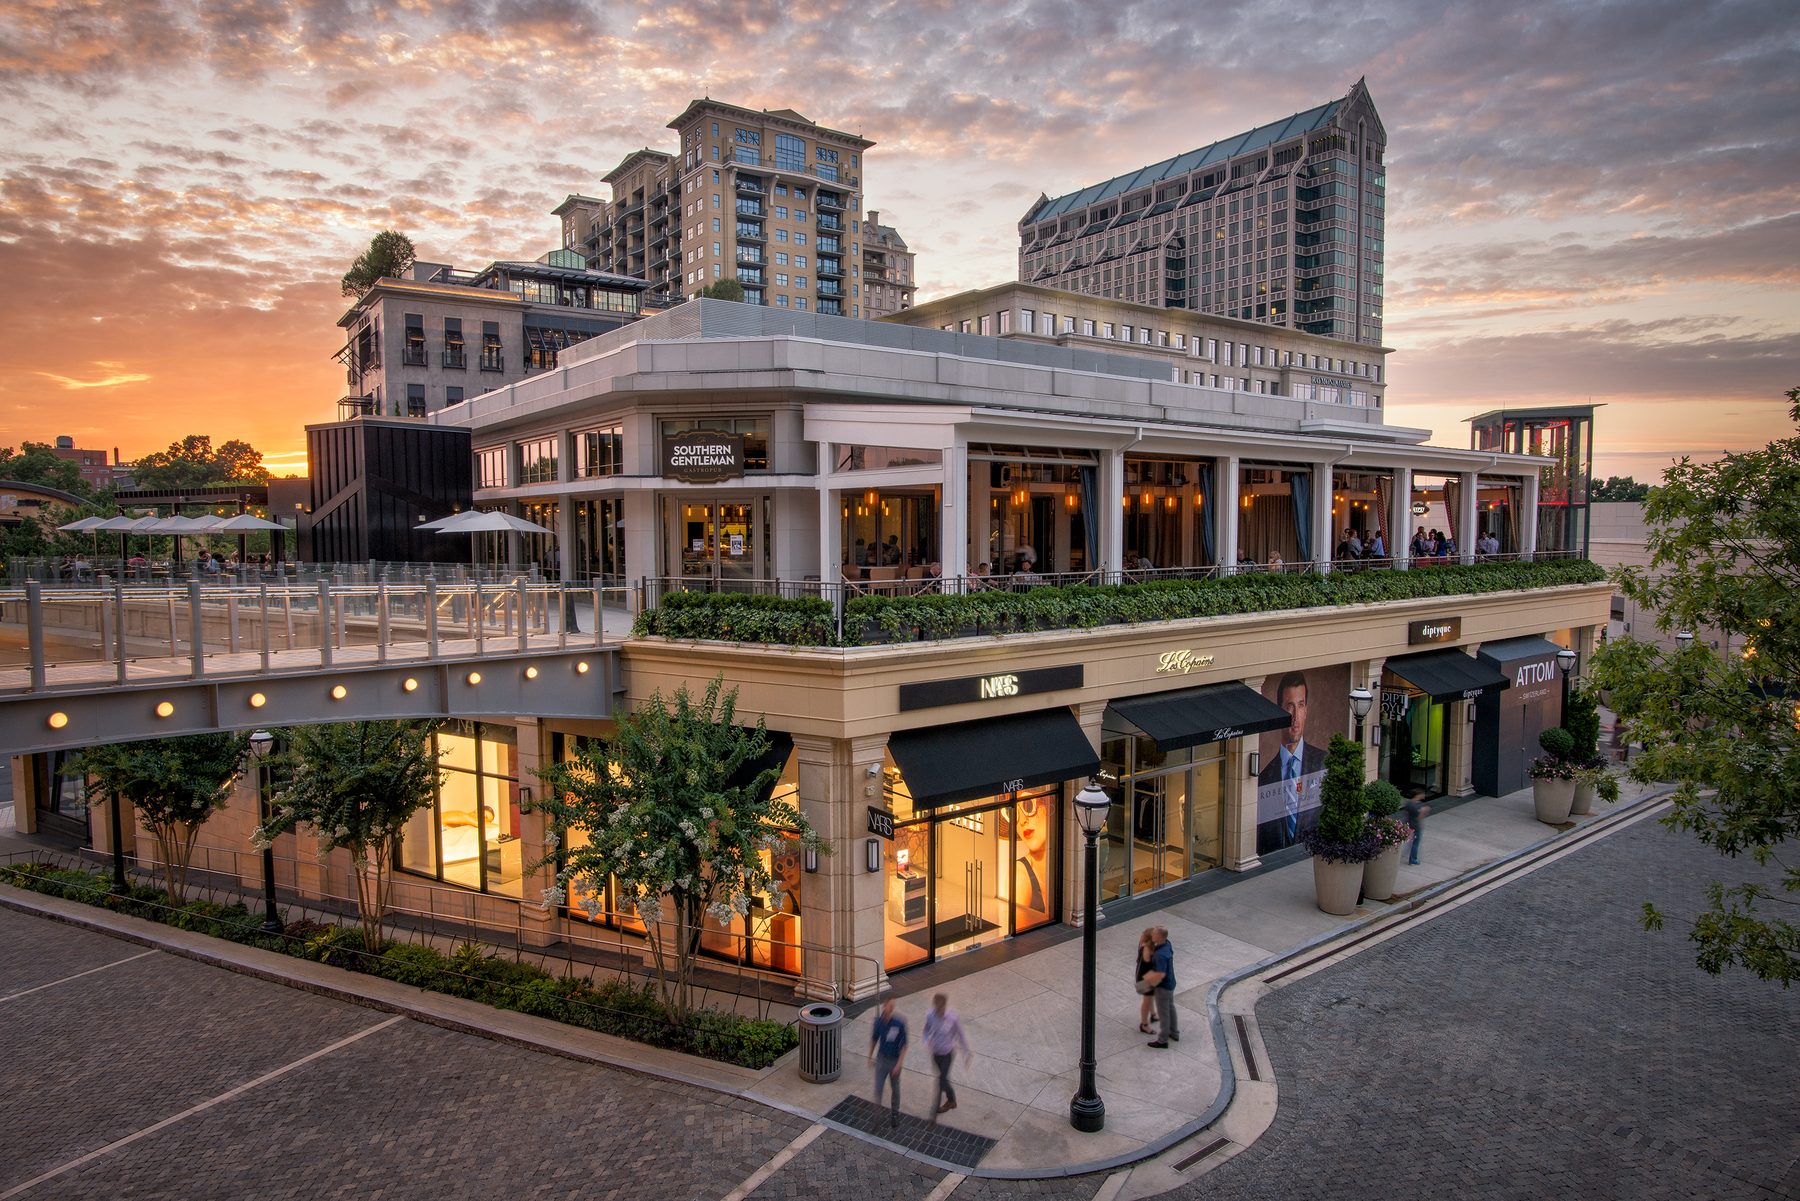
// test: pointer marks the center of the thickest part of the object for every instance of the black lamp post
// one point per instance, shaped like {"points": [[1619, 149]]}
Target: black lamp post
{"points": [[1087, 1112], [1361, 701], [1565, 659], [261, 743], [120, 886]]}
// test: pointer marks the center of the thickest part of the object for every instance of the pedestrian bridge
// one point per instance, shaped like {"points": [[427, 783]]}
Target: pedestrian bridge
{"points": [[92, 664]]}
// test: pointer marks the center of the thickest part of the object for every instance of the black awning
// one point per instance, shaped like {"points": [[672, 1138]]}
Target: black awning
{"points": [[781, 745], [1211, 713], [1448, 675], [972, 759], [1511, 650]]}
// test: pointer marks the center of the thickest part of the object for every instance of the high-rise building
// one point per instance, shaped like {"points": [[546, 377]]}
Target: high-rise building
{"points": [[767, 198], [888, 282], [1281, 225]]}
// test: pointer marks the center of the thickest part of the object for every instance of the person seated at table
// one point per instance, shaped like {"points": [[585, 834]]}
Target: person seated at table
{"points": [[1275, 563], [934, 569], [1377, 546], [1027, 557], [891, 554], [1143, 563]]}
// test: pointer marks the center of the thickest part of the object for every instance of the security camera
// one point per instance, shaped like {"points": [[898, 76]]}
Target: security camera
{"points": [[874, 769]]}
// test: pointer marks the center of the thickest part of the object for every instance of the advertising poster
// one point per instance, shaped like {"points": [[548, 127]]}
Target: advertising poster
{"points": [[1293, 760]]}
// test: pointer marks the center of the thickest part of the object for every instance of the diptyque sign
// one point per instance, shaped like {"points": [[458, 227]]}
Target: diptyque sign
{"points": [[1435, 629], [999, 685], [703, 457]]}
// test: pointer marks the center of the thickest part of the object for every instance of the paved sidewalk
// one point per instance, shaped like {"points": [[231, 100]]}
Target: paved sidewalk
{"points": [[1023, 1016]]}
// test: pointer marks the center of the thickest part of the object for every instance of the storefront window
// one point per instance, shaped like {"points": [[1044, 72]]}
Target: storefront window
{"points": [[469, 835], [717, 540], [891, 535], [1029, 510], [600, 539], [1414, 738], [1167, 519], [1163, 827], [541, 549]]}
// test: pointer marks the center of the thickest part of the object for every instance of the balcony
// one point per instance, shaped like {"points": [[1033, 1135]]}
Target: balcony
{"points": [[493, 360], [828, 200], [456, 360], [829, 221], [413, 354], [748, 232], [748, 185], [752, 254], [830, 287], [831, 308], [750, 276], [751, 208], [830, 269]]}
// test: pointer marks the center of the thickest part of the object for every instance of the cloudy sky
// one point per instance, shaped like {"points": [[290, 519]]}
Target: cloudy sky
{"points": [[1586, 200]]}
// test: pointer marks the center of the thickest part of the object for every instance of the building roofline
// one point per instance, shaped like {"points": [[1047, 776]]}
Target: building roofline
{"points": [[408, 287], [571, 200], [797, 121], [47, 490], [630, 160]]}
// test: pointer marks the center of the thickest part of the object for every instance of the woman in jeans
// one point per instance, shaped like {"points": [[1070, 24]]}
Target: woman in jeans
{"points": [[1146, 949]]}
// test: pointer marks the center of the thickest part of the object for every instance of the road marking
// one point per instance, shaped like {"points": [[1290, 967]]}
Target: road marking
{"points": [[755, 1179], [946, 1186], [78, 975], [204, 1105], [1112, 1186]]}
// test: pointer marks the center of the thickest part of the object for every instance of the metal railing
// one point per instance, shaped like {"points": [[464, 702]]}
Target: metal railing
{"points": [[91, 570], [86, 637], [424, 912]]}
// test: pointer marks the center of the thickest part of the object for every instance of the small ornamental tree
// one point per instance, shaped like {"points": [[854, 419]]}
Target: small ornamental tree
{"points": [[663, 820], [1583, 723], [356, 784], [175, 784], [1342, 835]]}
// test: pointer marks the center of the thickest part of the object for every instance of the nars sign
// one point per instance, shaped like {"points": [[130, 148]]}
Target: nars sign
{"points": [[1435, 629], [998, 685], [703, 457]]}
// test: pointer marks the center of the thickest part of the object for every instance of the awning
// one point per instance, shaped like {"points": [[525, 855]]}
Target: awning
{"points": [[1211, 713], [1511, 650], [1448, 675], [972, 759], [781, 745]]}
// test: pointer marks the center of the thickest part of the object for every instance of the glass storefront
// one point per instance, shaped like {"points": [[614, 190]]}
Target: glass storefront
{"points": [[600, 541], [1168, 521], [968, 874], [1414, 738], [1029, 510], [469, 836], [890, 534], [1163, 827], [718, 540]]}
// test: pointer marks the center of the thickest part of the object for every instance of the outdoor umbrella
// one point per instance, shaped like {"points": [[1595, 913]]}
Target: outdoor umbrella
{"points": [[83, 526], [124, 527], [472, 523], [241, 525], [177, 526]]}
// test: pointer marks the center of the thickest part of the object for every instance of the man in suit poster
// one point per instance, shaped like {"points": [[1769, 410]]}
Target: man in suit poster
{"points": [[1293, 760]]}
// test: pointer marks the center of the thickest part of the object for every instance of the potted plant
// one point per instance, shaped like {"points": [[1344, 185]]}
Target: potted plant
{"points": [[1390, 833], [1341, 843], [1583, 725], [1553, 777]]}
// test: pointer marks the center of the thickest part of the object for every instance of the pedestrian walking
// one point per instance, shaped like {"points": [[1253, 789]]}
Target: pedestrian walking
{"points": [[943, 1034], [1146, 950], [887, 1051], [1162, 979], [1415, 810]]}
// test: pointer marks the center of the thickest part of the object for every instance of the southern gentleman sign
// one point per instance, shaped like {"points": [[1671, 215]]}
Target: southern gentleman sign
{"points": [[934, 694], [703, 457]]}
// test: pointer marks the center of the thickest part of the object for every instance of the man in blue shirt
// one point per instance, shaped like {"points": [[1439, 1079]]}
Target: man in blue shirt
{"points": [[887, 1050], [1162, 978]]}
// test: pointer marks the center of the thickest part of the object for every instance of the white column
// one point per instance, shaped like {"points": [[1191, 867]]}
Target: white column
{"points": [[1528, 516], [831, 535], [954, 518], [1465, 521], [1324, 536], [643, 529], [1399, 534], [1112, 497], [565, 537], [1225, 533]]}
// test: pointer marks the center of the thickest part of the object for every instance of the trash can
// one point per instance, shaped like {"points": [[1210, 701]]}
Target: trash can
{"points": [[821, 1042]]}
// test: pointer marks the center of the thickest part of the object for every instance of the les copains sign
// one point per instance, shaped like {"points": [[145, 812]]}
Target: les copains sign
{"points": [[703, 457], [997, 686]]}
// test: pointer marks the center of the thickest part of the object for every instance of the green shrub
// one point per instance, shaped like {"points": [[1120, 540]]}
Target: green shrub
{"points": [[1384, 800], [1557, 743], [740, 617], [411, 964], [1342, 806], [207, 917], [761, 1042], [1583, 723]]}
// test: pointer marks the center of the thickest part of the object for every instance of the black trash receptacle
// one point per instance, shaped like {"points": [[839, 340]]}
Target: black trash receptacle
{"points": [[821, 1042]]}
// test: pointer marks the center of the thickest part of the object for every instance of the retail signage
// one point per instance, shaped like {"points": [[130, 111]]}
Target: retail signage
{"points": [[1394, 704], [1435, 629], [881, 822], [1170, 662], [703, 457], [1331, 381], [999, 685]]}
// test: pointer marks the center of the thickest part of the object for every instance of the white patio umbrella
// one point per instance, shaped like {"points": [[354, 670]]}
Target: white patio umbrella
{"points": [[472, 522], [244, 522], [85, 525], [125, 527]]}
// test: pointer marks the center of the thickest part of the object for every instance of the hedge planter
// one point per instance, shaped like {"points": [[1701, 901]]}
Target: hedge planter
{"points": [[1553, 799], [1380, 873], [1337, 885], [1584, 801]]}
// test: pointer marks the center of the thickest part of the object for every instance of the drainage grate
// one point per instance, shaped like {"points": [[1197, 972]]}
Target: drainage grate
{"points": [[1244, 1040], [1201, 1154], [913, 1134]]}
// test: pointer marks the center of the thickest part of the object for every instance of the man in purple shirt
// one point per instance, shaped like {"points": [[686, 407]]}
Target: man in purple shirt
{"points": [[943, 1034]]}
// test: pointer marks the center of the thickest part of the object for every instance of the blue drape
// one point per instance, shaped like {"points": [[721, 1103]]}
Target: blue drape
{"points": [[1301, 485], [1209, 516], [1090, 514]]}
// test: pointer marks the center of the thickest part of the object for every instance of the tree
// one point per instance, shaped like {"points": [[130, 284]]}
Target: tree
{"points": [[356, 784], [175, 784], [662, 816], [1724, 542], [36, 463], [1342, 805], [193, 463], [389, 255], [1619, 487], [725, 289]]}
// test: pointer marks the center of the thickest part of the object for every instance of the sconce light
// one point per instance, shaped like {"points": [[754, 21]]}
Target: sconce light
{"points": [[531, 673], [339, 693], [1375, 735], [411, 685], [258, 700], [1255, 763], [165, 709], [872, 853], [812, 860], [1471, 712], [524, 798], [58, 720]]}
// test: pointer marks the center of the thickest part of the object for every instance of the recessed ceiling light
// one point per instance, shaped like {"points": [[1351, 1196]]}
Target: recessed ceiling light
{"points": [[165, 709], [258, 700]]}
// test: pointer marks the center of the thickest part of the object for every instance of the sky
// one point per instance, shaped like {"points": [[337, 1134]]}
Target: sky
{"points": [[1586, 201]]}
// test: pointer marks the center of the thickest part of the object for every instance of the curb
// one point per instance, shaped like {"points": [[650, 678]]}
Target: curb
{"points": [[445, 1017]]}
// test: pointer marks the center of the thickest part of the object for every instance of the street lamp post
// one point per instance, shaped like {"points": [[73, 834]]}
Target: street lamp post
{"points": [[1565, 659], [120, 886], [1087, 1112], [261, 743], [1361, 700]]}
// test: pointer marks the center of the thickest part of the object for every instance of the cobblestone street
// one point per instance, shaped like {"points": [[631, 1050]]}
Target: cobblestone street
{"points": [[1531, 1043]]}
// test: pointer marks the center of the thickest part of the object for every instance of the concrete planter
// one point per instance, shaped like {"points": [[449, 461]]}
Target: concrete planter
{"points": [[1337, 885], [1380, 873], [1584, 801], [1553, 798]]}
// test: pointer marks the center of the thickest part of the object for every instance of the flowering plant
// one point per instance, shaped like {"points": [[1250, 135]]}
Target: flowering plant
{"points": [[1550, 767], [1389, 832], [1364, 847]]}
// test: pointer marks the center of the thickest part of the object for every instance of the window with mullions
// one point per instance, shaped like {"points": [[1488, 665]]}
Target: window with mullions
{"points": [[790, 153], [749, 137], [754, 429], [490, 467], [414, 355], [600, 452], [453, 345], [469, 834], [824, 155], [537, 461]]}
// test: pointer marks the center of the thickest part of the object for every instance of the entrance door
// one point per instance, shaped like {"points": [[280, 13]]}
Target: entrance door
{"points": [[718, 540], [967, 864], [1160, 835]]}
